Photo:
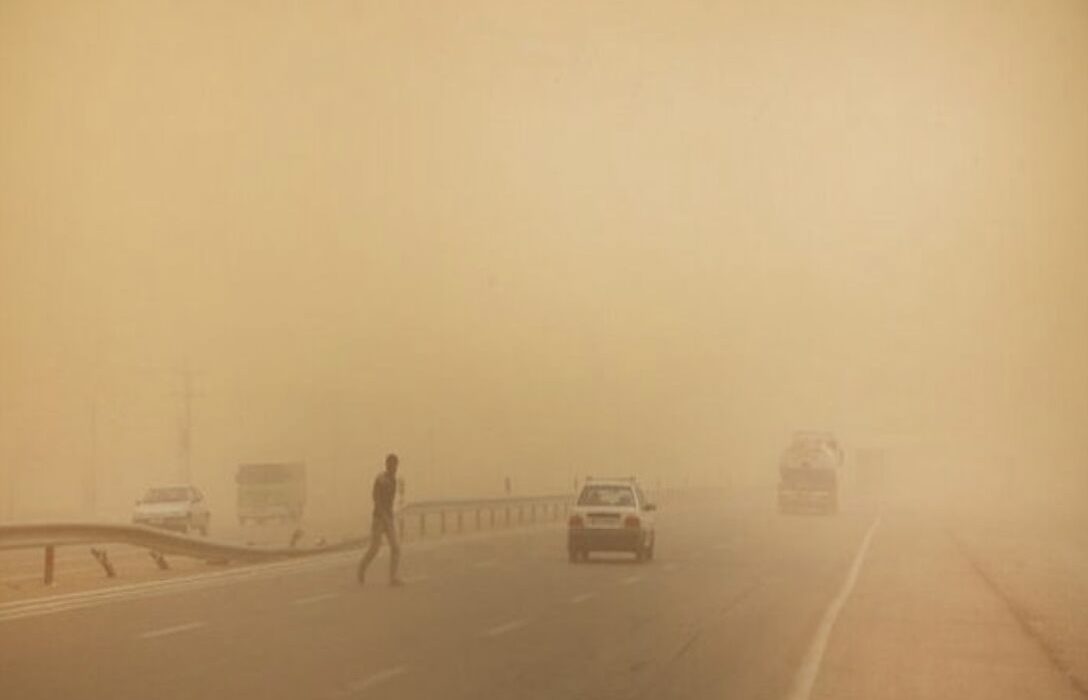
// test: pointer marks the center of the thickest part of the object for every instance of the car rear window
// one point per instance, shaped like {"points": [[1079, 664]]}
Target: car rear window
{"points": [[607, 495]]}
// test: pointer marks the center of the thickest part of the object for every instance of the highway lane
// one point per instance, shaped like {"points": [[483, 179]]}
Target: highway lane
{"points": [[729, 605], [729, 609]]}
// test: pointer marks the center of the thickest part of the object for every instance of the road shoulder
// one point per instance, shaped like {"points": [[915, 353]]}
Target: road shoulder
{"points": [[922, 623]]}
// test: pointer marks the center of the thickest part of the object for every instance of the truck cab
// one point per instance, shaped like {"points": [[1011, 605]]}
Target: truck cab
{"points": [[808, 474], [271, 492]]}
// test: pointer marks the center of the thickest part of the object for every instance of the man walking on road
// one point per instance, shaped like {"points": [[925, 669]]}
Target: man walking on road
{"points": [[383, 523]]}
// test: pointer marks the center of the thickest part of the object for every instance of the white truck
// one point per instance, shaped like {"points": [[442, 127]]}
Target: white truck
{"points": [[808, 473], [271, 492]]}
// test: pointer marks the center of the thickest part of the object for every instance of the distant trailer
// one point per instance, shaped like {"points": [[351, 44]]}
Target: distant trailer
{"points": [[271, 492], [808, 474]]}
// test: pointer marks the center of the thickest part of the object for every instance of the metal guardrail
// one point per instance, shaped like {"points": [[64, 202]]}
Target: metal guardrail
{"points": [[415, 519], [159, 543], [471, 515], [34, 535]]}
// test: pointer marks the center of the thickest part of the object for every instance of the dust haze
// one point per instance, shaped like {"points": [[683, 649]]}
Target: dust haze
{"points": [[536, 243]]}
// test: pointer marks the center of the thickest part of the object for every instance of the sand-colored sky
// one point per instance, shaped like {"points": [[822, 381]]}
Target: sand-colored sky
{"points": [[536, 240]]}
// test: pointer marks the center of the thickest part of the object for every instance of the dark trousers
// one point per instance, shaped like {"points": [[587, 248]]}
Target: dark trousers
{"points": [[382, 525]]}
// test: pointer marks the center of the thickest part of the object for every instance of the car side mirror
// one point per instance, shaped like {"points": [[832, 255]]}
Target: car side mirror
{"points": [[649, 506]]}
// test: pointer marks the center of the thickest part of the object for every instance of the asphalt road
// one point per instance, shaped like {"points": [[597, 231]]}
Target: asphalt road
{"points": [[740, 603]]}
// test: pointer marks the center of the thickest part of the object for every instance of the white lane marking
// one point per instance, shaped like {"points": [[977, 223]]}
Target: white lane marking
{"points": [[581, 598], [172, 630], [508, 627], [313, 599], [377, 679], [631, 580], [810, 666]]}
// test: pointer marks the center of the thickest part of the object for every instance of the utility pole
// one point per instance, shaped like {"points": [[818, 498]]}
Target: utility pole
{"points": [[432, 472], [187, 427], [90, 470], [7, 475], [185, 433]]}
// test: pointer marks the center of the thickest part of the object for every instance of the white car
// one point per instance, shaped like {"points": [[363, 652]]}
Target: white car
{"points": [[180, 508], [611, 515]]}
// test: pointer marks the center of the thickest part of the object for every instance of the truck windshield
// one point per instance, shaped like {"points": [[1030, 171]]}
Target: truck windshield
{"points": [[166, 495], [266, 474]]}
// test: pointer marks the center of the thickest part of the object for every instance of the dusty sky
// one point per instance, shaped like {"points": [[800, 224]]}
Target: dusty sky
{"points": [[536, 240]]}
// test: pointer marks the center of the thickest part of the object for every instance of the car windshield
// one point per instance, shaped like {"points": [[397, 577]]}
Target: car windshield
{"points": [[607, 495], [268, 473], [166, 495]]}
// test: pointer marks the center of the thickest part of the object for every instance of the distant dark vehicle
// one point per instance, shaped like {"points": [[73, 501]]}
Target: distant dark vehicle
{"points": [[180, 508], [271, 492], [808, 474]]}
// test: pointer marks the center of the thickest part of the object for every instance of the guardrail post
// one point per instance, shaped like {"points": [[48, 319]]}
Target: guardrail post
{"points": [[49, 565], [104, 559], [507, 516]]}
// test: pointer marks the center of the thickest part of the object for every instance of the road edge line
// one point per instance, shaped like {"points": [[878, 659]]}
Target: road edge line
{"points": [[809, 670]]}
